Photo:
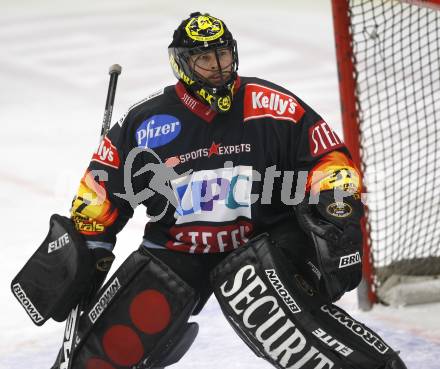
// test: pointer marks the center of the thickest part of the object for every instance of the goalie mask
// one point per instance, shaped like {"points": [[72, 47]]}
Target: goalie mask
{"points": [[203, 56]]}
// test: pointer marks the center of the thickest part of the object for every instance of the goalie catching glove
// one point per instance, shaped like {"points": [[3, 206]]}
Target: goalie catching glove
{"points": [[333, 225]]}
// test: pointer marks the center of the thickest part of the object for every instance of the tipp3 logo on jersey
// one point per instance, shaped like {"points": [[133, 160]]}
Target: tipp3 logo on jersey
{"points": [[261, 101], [157, 131], [217, 195]]}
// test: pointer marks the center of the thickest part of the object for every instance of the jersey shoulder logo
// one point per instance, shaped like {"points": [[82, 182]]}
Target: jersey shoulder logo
{"points": [[107, 154], [261, 102], [323, 139]]}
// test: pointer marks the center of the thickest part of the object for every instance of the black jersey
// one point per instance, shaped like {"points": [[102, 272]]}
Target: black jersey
{"points": [[209, 181]]}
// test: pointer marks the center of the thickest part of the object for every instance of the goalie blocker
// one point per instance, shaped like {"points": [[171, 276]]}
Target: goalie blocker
{"points": [[57, 275], [283, 319]]}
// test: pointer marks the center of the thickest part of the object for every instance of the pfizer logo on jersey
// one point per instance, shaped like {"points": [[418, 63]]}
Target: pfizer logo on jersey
{"points": [[157, 131], [218, 195]]}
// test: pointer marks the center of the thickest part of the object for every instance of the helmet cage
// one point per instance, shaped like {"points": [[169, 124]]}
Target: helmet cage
{"points": [[182, 56]]}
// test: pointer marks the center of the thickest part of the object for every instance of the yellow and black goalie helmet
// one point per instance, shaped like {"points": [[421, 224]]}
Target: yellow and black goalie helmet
{"points": [[197, 35]]}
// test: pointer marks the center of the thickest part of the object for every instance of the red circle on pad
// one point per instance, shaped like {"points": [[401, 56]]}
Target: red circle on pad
{"points": [[122, 345], [150, 311], [95, 363]]}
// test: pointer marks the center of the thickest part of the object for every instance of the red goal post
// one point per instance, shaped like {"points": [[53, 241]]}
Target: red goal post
{"points": [[388, 56]]}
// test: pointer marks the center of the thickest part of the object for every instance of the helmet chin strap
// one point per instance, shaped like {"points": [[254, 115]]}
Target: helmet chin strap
{"points": [[219, 103]]}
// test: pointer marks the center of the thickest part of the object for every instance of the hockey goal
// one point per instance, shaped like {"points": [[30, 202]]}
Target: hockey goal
{"points": [[388, 55]]}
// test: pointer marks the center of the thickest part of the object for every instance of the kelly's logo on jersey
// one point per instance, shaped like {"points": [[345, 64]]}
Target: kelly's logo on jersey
{"points": [[107, 154], [323, 139], [261, 101], [157, 131]]}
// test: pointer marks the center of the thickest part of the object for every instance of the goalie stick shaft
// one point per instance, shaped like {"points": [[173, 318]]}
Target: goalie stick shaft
{"points": [[114, 71], [70, 338]]}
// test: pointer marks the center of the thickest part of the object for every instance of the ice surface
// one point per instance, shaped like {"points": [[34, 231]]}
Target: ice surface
{"points": [[54, 58]]}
